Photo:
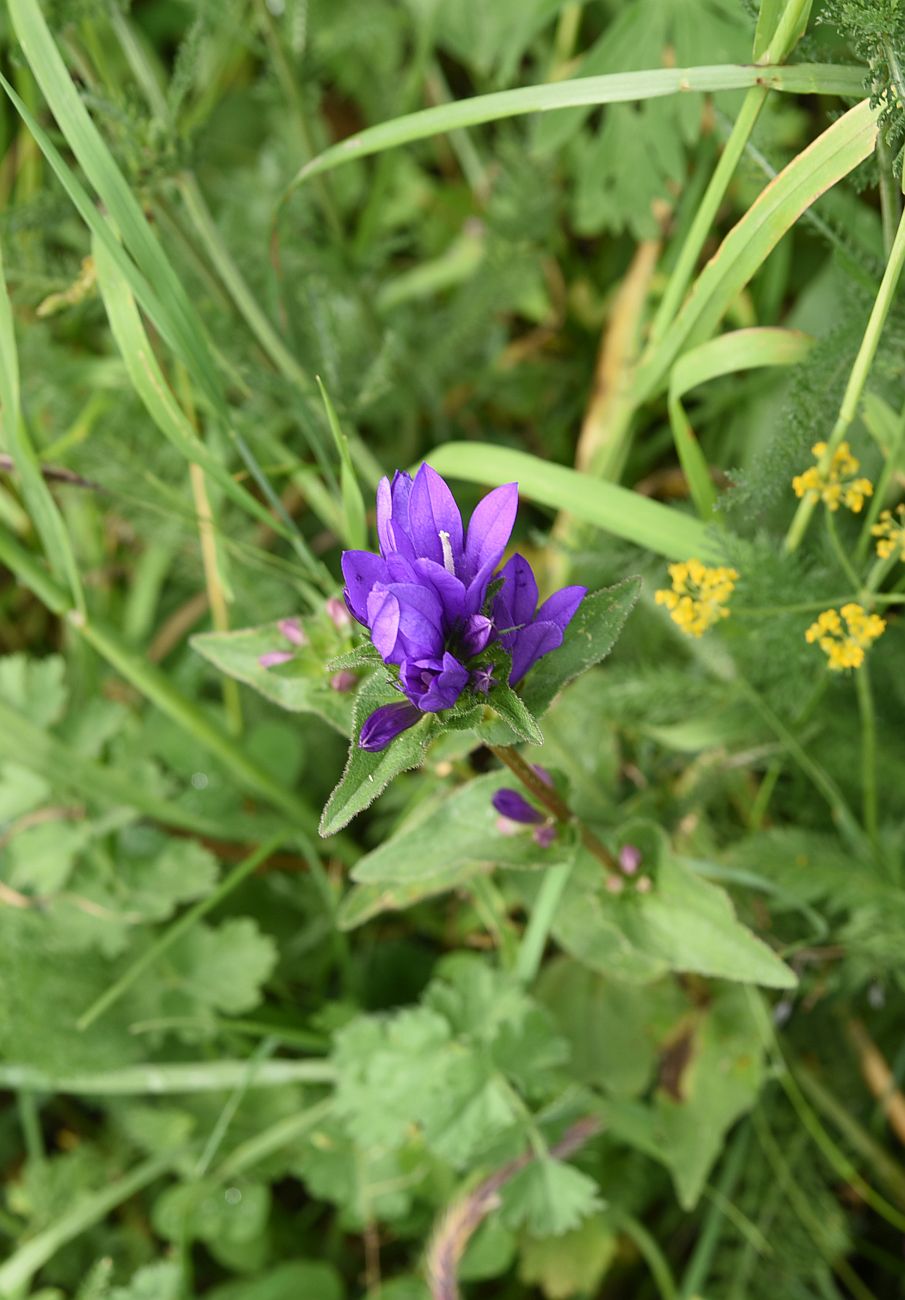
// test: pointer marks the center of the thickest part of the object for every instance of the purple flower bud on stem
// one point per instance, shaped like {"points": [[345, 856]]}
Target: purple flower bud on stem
{"points": [[293, 631], [274, 658], [386, 723], [509, 803], [629, 859], [544, 835], [344, 680], [338, 613]]}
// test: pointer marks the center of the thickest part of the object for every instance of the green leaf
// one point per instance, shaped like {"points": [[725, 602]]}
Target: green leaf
{"points": [[548, 1198], [363, 902], [221, 968], [206, 1211], [588, 640], [367, 775], [515, 713], [714, 1074], [155, 1282], [301, 686], [572, 1264], [35, 687], [41, 858], [685, 923], [607, 506], [620, 87], [290, 1281], [443, 838]]}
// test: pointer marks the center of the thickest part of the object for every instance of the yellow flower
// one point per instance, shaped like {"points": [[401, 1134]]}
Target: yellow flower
{"points": [[845, 646], [699, 595], [838, 485], [890, 533]]}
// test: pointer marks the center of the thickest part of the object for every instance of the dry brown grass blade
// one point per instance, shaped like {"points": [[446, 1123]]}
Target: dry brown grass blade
{"points": [[878, 1077]]}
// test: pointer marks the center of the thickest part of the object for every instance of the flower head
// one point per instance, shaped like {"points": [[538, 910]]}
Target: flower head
{"points": [[845, 639], [424, 597], [699, 595], [836, 484], [889, 531]]}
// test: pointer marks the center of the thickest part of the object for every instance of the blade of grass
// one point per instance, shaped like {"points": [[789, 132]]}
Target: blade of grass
{"points": [[816, 169], [611, 508], [45, 516], [614, 88], [163, 1079], [355, 530], [746, 349]]}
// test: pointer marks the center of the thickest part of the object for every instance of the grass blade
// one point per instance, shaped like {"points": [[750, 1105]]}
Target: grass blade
{"points": [[607, 506], [746, 349], [613, 88]]}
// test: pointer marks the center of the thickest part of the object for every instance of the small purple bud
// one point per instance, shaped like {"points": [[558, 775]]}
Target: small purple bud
{"points": [[629, 859], [344, 680], [338, 613], [509, 803], [274, 658], [544, 835], [543, 774], [614, 885], [475, 634], [293, 631], [482, 679], [644, 884], [386, 723]]}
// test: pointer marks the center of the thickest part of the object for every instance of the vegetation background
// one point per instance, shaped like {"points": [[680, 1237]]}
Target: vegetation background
{"points": [[226, 1069]]}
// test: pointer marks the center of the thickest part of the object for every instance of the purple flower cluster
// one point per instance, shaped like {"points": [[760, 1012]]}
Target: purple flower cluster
{"points": [[424, 598]]}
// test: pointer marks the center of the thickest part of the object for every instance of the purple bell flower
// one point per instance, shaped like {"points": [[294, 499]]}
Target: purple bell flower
{"points": [[424, 600], [524, 630]]}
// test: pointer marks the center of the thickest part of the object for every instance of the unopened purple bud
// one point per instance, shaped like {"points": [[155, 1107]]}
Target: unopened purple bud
{"points": [[344, 680], [386, 723], [629, 859], [614, 885], [543, 774], [644, 884], [338, 613], [293, 631], [509, 803], [475, 634], [544, 835], [274, 658]]}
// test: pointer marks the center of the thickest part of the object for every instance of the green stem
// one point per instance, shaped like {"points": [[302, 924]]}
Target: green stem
{"points": [[540, 923], [856, 381], [844, 562], [158, 1080], [868, 750], [281, 1134], [552, 801], [492, 909], [176, 931], [890, 194], [890, 465]]}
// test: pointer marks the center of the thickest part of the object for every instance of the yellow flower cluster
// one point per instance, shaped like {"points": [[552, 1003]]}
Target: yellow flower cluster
{"points": [[699, 595], [890, 533], [845, 646], [837, 485]]}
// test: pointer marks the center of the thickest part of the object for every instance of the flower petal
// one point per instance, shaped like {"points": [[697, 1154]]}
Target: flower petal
{"points": [[489, 529], [386, 723], [562, 606], [531, 643], [476, 632], [516, 600], [511, 804], [383, 620], [392, 515], [420, 619], [450, 591], [361, 570], [432, 511]]}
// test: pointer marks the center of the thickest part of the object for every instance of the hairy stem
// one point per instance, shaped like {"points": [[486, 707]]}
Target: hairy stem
{"points": [[554, 803]]}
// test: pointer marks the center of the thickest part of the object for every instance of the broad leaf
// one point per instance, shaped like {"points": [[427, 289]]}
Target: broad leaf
{"points": [[462, 830], [367, 775], [548, 1198], [302, 685], [363, 902]]}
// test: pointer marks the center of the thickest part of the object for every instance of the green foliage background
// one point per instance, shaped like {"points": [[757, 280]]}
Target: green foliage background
{"points": [[242, 1061]]}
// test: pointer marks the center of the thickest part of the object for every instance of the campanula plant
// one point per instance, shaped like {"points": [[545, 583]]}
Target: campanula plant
{"points": [[436, 605]]}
